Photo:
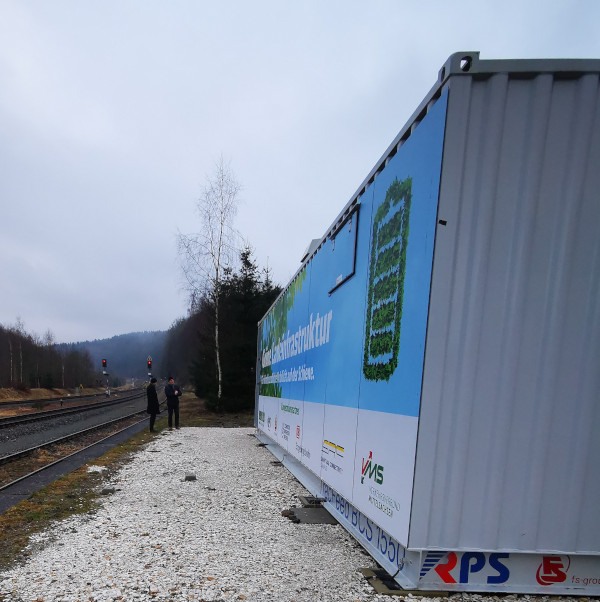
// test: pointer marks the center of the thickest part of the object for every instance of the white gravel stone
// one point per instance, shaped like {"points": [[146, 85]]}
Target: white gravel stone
{"points": [[220, 537]]}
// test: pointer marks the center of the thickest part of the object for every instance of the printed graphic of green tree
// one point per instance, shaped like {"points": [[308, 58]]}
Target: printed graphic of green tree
{"points": [[386, 281]]}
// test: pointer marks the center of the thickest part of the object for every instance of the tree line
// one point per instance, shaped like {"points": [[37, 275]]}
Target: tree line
{"points": [[27, 361], [127, 354]]}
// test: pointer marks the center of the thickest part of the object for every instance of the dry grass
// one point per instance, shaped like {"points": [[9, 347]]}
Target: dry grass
{"points": [[14, 395], [47, 399], [192, 413], [78, 492]]}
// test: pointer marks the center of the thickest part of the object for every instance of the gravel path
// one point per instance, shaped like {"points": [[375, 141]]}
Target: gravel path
{"points": [[220, 537]]}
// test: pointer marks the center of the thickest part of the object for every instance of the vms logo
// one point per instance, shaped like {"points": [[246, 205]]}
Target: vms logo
{"points": [[553, 569], [371, 470]]}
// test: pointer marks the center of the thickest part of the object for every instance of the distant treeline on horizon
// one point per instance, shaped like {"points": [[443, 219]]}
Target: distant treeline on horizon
{"points": [[127, 354]]}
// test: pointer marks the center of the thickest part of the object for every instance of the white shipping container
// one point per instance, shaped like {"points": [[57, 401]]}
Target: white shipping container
{"points": [[433, 369]]}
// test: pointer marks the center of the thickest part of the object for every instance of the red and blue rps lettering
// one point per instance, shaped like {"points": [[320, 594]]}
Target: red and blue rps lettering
{"points": [[472, 563]]}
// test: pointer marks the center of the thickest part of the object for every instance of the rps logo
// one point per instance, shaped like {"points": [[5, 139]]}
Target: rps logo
{"points": [[371, 470], [553, 569], [474, 562]]}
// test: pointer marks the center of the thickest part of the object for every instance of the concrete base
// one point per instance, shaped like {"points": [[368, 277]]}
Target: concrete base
{"points": [[382, 583], [312, 516]]}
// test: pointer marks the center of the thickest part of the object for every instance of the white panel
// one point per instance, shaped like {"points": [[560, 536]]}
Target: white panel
{"points": [[290, 426], [267, 416], [312, 436], [509, 435], [383, 471], [338, 447]]}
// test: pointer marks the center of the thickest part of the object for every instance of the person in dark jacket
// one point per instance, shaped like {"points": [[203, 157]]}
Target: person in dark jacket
{"points": [[153, 409], [173, 391]]}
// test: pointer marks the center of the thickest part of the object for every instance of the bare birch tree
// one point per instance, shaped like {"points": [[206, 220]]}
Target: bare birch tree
{"points": [[19, 329], [206, 255]]}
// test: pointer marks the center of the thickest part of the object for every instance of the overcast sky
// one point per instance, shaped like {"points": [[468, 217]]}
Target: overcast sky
{"points": [[113, 113]]}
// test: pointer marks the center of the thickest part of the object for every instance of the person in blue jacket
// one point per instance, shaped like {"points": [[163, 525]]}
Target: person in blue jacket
{"points": [[173, 392]]}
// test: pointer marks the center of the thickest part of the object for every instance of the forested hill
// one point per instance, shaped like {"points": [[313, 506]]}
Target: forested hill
{"points": [[127, 354]]}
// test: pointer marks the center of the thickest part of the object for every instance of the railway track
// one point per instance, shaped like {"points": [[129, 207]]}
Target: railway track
{"points": [[46, 414], [26, 471], [24, 432]]}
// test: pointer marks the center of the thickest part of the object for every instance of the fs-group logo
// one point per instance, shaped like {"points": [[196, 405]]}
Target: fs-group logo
{"points": [[553, 569], [371, 470]]}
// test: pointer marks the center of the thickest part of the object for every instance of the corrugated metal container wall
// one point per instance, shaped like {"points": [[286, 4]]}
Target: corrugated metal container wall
{"points": [[508, 453]]}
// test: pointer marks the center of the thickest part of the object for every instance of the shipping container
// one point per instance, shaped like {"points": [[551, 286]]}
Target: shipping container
{"points": [[432, 371]]}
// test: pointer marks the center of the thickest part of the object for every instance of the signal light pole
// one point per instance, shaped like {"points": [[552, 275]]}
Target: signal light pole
{"points": [[104, 364], [149, 366]]}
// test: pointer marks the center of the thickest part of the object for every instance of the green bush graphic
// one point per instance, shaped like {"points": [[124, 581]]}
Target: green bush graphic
{"points": [[274, 327], [383, 316], [386, 282]]}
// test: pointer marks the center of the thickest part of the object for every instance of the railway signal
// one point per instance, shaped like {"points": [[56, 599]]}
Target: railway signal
{"points": [[104, 364], [149, 366]]}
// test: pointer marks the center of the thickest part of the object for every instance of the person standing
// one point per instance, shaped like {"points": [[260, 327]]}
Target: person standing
{"points": [[153, 408], [173, 391]]}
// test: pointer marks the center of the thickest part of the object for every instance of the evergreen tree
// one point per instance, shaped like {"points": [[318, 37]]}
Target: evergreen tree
{"points": [[243, 300]]}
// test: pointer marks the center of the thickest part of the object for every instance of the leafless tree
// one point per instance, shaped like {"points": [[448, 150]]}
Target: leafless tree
{"points": [[49, 339], [19, 329], [206, 255]]}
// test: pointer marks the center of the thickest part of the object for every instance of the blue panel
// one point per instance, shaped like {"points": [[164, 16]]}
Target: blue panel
{"points": [[405, 199], [320, 347]]}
